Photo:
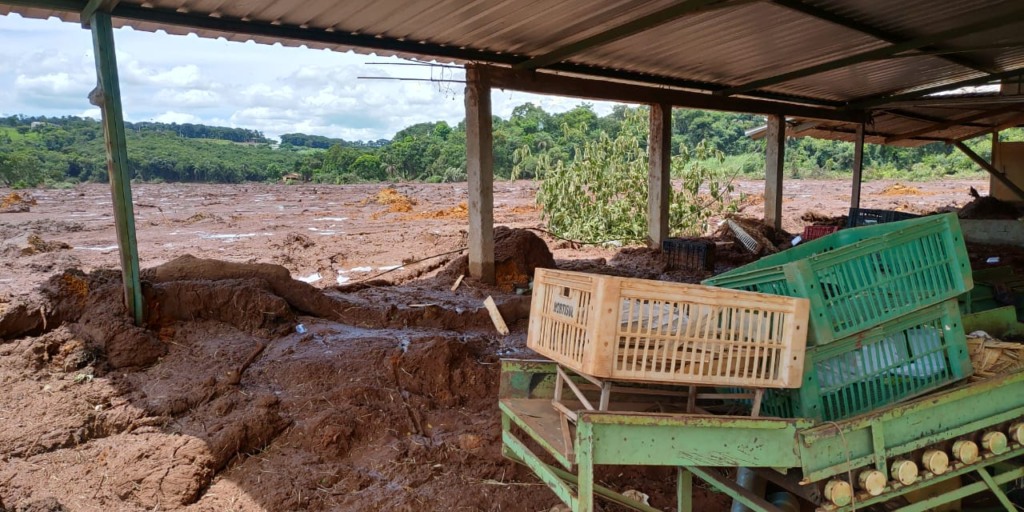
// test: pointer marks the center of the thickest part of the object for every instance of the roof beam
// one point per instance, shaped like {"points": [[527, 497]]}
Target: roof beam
{"points": [[1009, 123], [943, 125], [1003, 18], [894, 98], [227, 26], [864, 28], [627, 29], [547, 83], [95, 6]]}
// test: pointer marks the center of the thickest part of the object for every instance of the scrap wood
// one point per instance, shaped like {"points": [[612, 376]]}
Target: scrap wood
{"points": [[458, 281], [499, 322], [992, 357]]}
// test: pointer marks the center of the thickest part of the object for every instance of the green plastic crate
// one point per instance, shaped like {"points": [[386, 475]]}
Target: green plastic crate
{"points": [[861, 277], [890, 363]]}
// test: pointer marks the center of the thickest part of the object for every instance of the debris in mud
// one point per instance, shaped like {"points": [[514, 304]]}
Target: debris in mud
{"points": [[300, 240], [16, 203], [988, 207], [517, 253], [459, 211], [36, 245], [820, 219], [396, 201], [899, 189], [201, 216], [768, 239]]}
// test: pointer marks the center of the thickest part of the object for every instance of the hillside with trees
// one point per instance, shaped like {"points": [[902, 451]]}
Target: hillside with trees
{"points": [[41, 151]]}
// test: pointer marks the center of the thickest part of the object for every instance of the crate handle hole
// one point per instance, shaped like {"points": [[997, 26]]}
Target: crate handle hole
{"points": [[565, 291]]}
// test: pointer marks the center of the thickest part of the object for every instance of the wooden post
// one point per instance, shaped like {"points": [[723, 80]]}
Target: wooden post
{"points": [[659, 177], [775, 156], [480, 170], [858, 166], [107, 96]]}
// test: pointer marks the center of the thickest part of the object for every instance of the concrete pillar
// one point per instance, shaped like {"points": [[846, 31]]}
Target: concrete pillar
{"points": [[858, 166], [107, 96], [480, 170], [775, 156], [659, 178]]}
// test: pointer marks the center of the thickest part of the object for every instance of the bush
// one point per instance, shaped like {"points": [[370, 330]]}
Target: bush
{"points": [[601, 194]]}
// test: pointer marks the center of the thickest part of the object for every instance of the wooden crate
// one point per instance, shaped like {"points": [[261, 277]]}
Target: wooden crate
{"points": [[671, 333]]}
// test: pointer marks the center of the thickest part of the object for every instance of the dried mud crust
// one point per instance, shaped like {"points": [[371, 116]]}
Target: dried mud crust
{"points": [[380, 404]]}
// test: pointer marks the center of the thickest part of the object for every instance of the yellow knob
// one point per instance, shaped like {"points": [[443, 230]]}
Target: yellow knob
{"points": [[839, 492], [904, 472], [872, 481], [1017, 433], [965, 451], [994, 442], [935, 461]]}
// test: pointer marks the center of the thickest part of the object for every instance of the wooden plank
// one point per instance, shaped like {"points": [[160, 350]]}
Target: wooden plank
{"points": [[548, 83], [659, 176], [480, 175], [499, 322], [775, 154], [858, 167], [990, 168], [458, 281], [107, 96]]}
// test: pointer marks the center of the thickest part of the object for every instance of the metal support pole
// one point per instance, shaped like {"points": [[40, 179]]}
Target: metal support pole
{"points": [[858, 166], [659, 177], [684, 490], [775, 155], [107, 96], [480, 174]]}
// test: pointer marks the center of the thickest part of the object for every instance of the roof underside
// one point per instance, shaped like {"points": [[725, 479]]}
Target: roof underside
{"points": [[876, 55]]}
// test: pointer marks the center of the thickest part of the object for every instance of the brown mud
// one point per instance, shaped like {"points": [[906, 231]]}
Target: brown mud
{"points": [[250, 390]]}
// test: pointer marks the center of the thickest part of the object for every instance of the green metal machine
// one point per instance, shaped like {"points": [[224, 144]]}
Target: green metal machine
{"points": [[970, 432]]}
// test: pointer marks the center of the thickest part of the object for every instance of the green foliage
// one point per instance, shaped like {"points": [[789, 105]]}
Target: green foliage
{"points": [[601, 194], [531, 142]]}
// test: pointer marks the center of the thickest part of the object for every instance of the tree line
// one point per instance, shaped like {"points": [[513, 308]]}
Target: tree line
{"points": [[54, 151]]}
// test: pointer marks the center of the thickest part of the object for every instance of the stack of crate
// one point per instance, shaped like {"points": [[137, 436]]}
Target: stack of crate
{"points": [[884, 321], [611, 329]]}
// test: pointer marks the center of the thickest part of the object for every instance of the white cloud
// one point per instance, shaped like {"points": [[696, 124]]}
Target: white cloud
{"points": [[177, 117], [273, 89], [90, 112]]}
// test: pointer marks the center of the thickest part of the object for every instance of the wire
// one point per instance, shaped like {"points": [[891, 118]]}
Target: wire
{"points": [[849, 470], [365, 279]]}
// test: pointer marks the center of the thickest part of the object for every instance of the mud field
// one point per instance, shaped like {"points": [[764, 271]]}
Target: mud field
{"points": [[286, 364]]}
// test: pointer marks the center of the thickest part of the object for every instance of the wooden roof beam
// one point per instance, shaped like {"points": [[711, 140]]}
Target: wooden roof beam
{"points": [[920, 93], [877, 33], [627, 29], [547, 83], [1003, 18], [944, 125], [1009, 123]]}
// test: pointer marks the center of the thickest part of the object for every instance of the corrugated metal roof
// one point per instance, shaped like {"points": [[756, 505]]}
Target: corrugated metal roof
{"points": [[722, 45]]}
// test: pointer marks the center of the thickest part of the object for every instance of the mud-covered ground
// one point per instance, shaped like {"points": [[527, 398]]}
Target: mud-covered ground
{"points": [[383, 399]]}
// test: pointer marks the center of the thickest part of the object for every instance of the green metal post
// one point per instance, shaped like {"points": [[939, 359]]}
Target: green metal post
{"points": [[684, 490], [585, 466], [107, 96]]}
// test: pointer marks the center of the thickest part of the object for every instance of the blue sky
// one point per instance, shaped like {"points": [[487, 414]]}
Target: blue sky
{"points": [[46, 68]]}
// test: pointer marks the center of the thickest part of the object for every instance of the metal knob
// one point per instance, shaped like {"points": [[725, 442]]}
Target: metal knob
{"points": [[1017, 433], [965, 451], [839, 492], [904, 472], [935, 461], [994, 442], [872, 481]]}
